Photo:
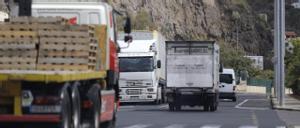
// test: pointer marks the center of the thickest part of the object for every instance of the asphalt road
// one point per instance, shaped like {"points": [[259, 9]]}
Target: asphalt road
{"points": [[250, 111]]}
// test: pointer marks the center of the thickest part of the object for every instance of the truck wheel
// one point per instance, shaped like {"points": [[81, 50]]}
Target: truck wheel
{"points": [[110, 124], [213, 107], [76, 111], [171, 107], [178, 107], [234, 99], [66, 107], [95, 97], [156, 102], [163, 94], [206, 107]]}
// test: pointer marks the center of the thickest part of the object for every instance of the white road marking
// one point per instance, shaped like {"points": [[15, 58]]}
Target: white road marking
{"points": [[139, 126], [281, 127], [184, 125], [175, 126], [163, 106], [126, 107], [248, 127], [239, 106], [211, 126]]}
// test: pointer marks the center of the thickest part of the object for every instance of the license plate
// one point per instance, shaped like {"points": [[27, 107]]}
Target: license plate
{"points": [[187, 93], [45, 109], [134, 97]]}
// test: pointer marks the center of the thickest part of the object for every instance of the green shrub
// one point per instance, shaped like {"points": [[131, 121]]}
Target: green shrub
{"points": [[293, 67]]}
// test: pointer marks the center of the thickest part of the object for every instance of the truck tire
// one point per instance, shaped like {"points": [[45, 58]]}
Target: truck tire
{"points": [[171, 107], [206, 107], [157, 102], [213, 108], [110, 124], [76, 105], [178, 107], [214, 104], [66, 107], [234, 99], [163, 95], [95, 97], [177, 103]]}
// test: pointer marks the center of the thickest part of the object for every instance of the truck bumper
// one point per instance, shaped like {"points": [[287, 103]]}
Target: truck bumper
{"points": [[191, 98], [30, 118], [138, 98], [227, 95]]}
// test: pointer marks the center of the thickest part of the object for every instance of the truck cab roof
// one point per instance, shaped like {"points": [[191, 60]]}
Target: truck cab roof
{"points": [[136, 54], [228, 71]]}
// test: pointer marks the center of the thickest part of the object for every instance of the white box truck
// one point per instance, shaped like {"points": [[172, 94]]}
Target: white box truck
{"points": [[142, 68], [192, 74]]}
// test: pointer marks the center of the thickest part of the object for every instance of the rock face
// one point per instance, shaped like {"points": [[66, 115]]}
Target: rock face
{"points": [[222, 20], [3, 6]]}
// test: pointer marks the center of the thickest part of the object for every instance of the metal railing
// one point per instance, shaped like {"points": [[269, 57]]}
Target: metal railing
{"points": [[261, 83]]}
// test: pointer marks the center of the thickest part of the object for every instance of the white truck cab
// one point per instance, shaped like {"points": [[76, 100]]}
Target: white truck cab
{"points": [[227, 84], [142, 69]]}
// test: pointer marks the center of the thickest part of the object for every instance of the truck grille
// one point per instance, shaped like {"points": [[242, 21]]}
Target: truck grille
{"points": [[134, 91], [138, 83]]}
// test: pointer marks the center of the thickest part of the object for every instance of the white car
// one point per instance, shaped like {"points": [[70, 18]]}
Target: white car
{"points": [[227, 84]]}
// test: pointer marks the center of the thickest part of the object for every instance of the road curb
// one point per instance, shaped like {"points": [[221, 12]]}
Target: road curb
{"points": [[275, 106]]}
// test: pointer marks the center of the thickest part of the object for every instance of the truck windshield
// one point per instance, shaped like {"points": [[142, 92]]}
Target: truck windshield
{"points": [[136, 64], [226, 78]]}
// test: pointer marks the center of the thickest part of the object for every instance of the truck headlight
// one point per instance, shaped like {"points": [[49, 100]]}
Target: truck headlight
{"points": [[150, 89], [27, 98], [147, 83]]}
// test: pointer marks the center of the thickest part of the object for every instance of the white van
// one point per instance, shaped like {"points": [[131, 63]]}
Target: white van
{"points": [[3, 16], [227, 84]]}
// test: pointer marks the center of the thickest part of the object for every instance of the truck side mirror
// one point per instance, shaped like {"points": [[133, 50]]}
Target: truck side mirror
{"points": [[128, 38], [221, 68], [127, 30], [127, 25], [158, 64]]}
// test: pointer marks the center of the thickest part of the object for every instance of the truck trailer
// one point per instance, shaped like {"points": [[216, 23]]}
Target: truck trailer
{"points": [[142, 68], [59, 66], [192, 74]]}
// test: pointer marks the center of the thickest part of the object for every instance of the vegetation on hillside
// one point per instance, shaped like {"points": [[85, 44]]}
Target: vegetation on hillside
{"points": [[293, 68], [232, 57]]}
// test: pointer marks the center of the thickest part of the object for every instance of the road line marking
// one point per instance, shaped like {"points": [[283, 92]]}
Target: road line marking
{"points": [[248, 127], [280, 127], [163, 106], [238, 106], [211, 126], [254, 118], [139, 126], [175, 126], [126, 107]]}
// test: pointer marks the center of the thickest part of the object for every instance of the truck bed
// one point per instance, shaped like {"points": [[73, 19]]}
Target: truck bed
{"points": [[50, 76]]}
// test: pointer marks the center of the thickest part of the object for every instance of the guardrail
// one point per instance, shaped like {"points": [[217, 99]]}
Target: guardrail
{"points": [[261, 83]]}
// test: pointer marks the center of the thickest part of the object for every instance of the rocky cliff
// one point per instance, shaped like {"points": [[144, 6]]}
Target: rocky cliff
{"points": [[230, 21], [237, 23]]}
